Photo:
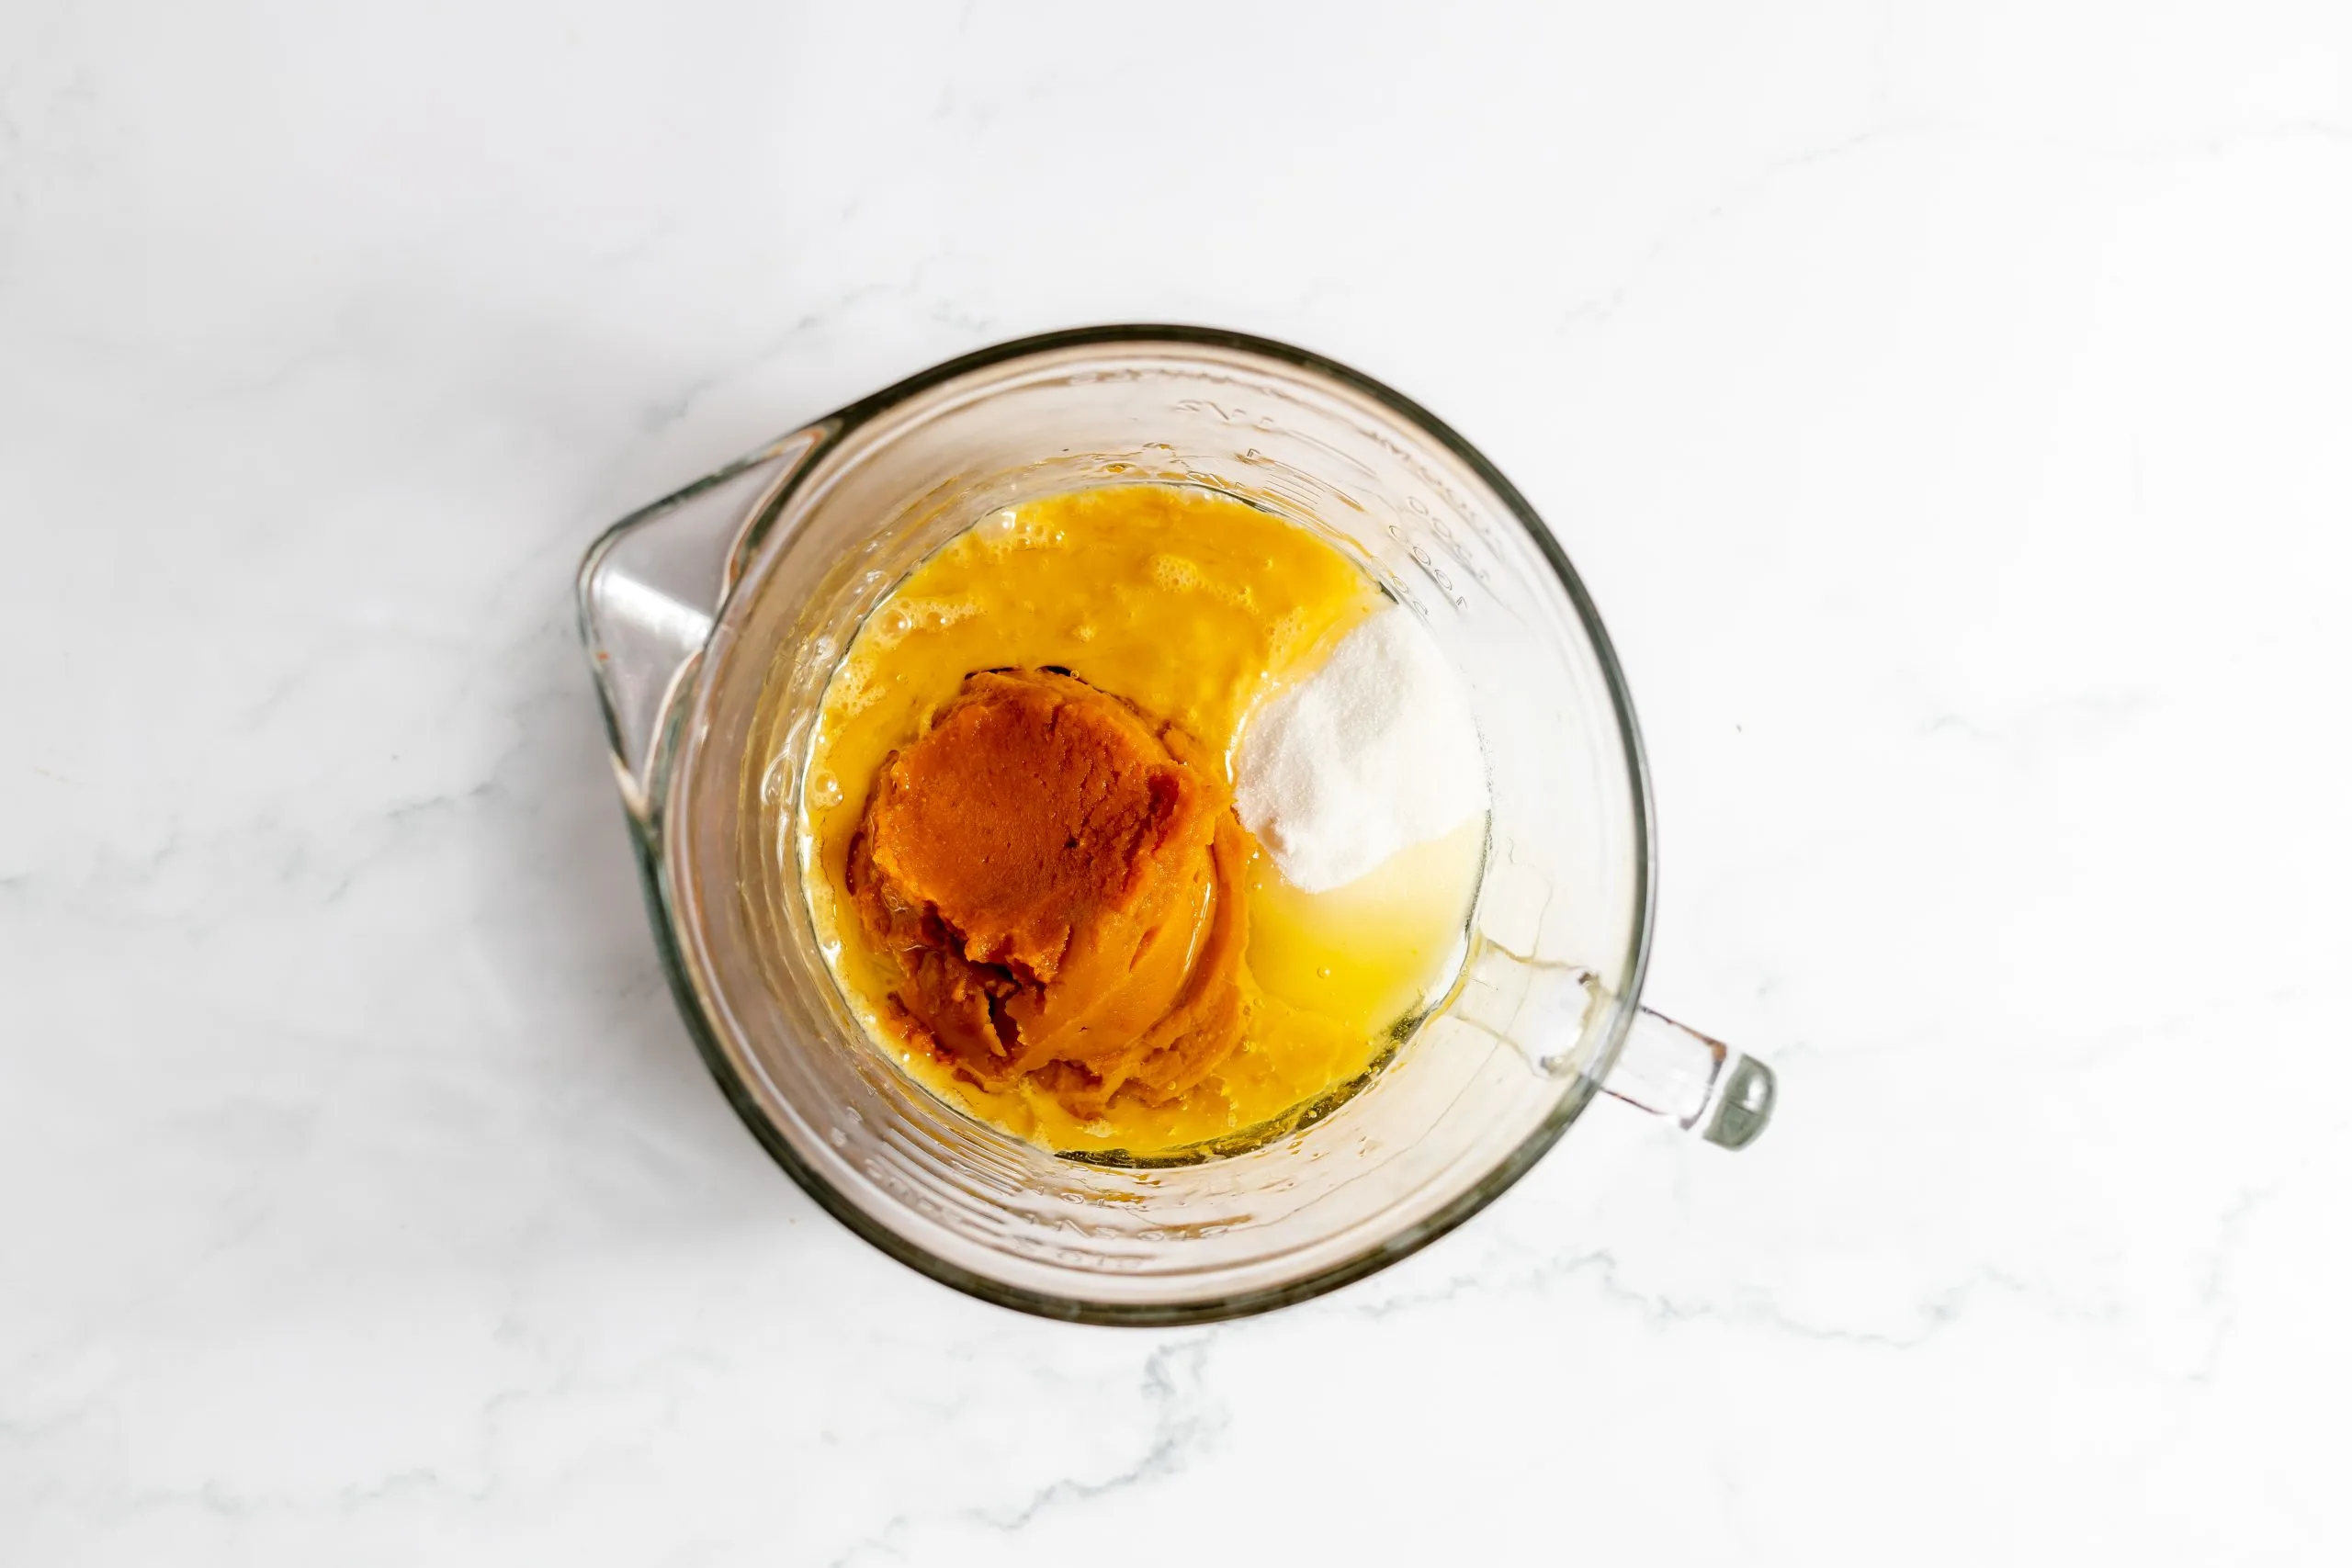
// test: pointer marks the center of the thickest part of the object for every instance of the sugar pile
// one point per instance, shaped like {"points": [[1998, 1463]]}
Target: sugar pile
{"points": [[1373, 754]]}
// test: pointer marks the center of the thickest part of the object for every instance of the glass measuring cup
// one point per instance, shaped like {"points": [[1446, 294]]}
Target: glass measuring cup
{"points": [[713, 619]]}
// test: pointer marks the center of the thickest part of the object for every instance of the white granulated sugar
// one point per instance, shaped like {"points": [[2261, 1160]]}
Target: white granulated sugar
{"points": [[1373, 754]]}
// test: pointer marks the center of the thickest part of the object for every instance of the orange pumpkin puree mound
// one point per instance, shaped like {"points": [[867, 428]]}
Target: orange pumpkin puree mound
{"points": [[1059, 880]]}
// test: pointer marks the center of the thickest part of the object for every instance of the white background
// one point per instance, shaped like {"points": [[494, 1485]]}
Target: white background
{"points": [[1950, 408]]}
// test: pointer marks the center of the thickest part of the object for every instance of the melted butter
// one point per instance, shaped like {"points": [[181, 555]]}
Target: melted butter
{"points": [[1365, 954], [1195, 607]]}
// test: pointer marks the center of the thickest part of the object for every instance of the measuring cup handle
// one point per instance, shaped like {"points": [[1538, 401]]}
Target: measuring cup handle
{"points": [[651, 590], [1695, 1080]]}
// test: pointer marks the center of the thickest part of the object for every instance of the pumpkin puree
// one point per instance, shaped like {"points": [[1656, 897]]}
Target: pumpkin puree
{"points": [[1060, 881]]}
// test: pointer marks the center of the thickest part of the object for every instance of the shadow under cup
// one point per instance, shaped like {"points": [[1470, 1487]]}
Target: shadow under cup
{"points": [[1470, 1100]]}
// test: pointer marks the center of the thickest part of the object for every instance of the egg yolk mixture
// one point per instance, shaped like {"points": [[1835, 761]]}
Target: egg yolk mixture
{"points": [[1020, 849]]}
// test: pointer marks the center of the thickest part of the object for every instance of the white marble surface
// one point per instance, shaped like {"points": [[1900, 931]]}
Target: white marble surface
{"points": [[1948, 405]]}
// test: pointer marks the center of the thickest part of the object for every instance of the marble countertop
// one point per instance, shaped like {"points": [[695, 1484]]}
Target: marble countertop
{"points": [[1946, 404]]}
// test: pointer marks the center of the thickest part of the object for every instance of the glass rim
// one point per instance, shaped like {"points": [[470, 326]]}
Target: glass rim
{"points": [[666, 907]]}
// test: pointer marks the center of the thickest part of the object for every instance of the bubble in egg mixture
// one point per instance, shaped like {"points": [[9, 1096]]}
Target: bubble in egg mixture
{"points": [[1174, 573]]}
